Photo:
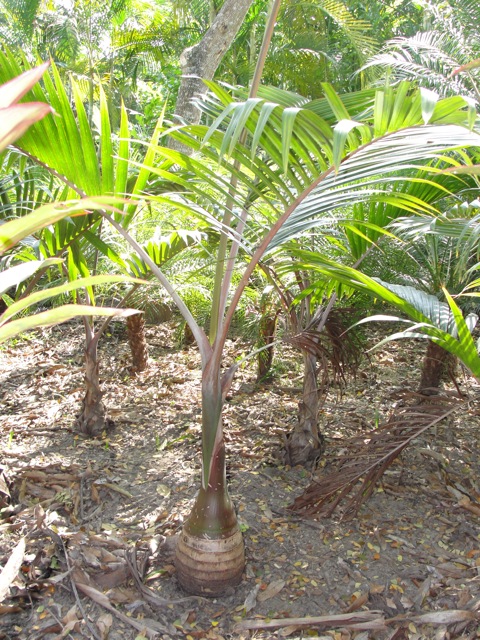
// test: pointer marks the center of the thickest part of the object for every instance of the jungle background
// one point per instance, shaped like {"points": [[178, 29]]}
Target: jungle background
{"points": [[276, 258]]}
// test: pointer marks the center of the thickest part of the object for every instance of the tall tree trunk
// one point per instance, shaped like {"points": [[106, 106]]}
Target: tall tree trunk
{"points": [[305, 442], [202, 59], [92, 420], [137, 341]]}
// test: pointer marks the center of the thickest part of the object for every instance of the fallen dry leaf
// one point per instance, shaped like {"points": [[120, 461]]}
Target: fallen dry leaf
{"points": [[104, 624], [11, 569], [358, 602], [366, 619], [446, 617], [251, 599], [272, 590]]}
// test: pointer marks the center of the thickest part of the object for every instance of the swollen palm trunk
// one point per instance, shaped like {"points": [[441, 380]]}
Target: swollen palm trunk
{"points": [[210, 554]]}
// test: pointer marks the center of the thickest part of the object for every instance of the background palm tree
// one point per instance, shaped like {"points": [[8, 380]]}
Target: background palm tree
{"points": [[313, 42], [67, 148], [449, 39], [445, 254], [14, 121]]}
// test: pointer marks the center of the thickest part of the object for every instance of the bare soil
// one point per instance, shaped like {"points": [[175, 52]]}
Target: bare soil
{"points": [[99, 517]]}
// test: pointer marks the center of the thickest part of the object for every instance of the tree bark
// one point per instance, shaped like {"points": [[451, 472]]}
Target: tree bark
{"points": [[305, 442], [436, 363], [266, 338], [92, 420], [202, 60], [137, 342]]}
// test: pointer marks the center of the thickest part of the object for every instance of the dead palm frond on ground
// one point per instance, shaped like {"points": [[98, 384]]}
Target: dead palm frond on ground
{"points": [[350, 479]]}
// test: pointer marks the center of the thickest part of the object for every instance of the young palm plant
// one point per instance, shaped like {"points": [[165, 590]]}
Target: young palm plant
{"points": [[14, 121], [293, 163], [68, 148], [354, 232], [446, 254]]}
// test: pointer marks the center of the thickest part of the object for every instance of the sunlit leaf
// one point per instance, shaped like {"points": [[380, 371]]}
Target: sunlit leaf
{"points": [[55, 316]]}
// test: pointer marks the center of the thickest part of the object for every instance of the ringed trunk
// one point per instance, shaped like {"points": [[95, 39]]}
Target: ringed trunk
{"points": [[210, 554]]}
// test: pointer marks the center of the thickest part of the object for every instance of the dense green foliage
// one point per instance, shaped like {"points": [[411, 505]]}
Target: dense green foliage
{"points": [[117, 72]]}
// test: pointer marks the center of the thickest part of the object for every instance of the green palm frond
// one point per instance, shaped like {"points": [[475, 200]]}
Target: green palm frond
{"points": [[447, 249], [429, 318], [25, 187], [429, 58], [364, 174], [70, 148], [59, 36], [161, 250], [288, 148], [467, 14], [17, 18], [356, 30]]}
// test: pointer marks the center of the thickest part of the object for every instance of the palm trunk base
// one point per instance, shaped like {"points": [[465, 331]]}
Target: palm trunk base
{"points": [[208, 567], [303, 446], [436, 364], [305, 443], [92, 420], [137, 342]]}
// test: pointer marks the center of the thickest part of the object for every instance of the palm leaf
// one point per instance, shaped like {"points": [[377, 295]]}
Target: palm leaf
{"points": [[13, 276], [351, 475], [430, 318], [66, 144], [46, 294], [15, 230], [56, 316]]}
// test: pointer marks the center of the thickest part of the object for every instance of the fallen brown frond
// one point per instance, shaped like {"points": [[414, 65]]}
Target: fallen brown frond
{"points": [[353, 475]]}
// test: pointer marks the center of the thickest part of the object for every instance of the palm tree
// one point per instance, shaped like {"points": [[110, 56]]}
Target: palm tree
{"points": [[115, 44], [446, 259], [17, 20], [305, 46], [293, 164], [364, 223], [440, 322], [67, 149], [14, 121], [431, 56]]}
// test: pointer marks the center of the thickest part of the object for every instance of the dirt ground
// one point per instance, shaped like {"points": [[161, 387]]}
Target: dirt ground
{"points": [[99, 517]]}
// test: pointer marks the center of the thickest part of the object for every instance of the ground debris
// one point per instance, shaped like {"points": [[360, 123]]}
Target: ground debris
{"points": [[100, 517]]}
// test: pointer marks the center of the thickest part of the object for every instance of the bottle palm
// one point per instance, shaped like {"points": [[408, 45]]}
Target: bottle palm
{"points": [[294, 164]]}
